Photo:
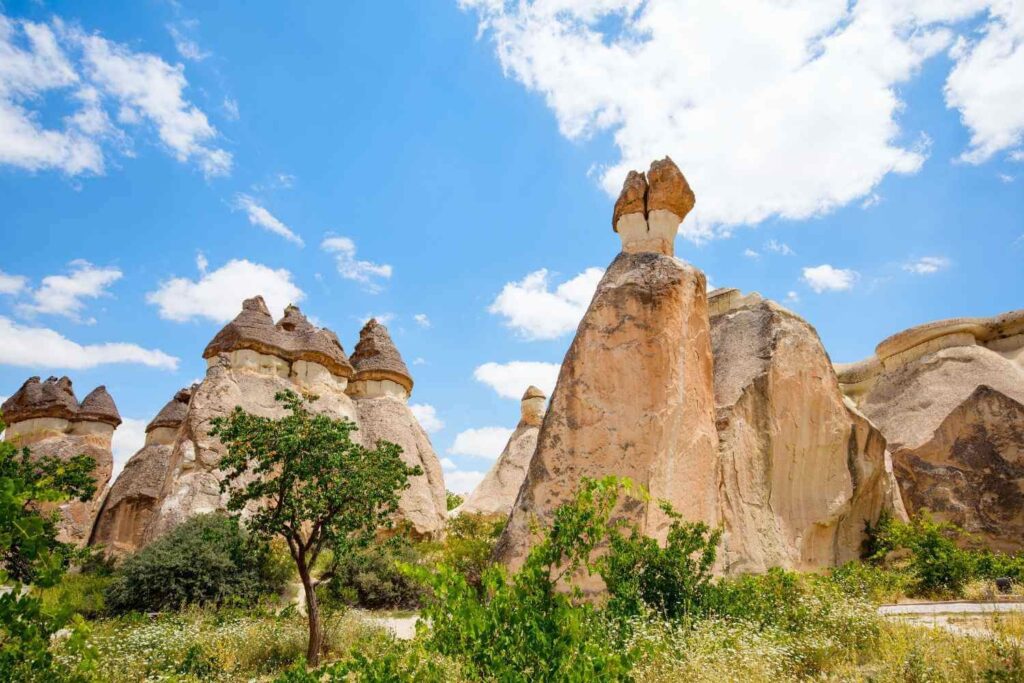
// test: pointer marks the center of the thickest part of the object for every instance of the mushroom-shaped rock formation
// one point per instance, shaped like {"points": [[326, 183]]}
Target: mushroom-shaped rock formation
{"points": [[946, 396], [634, 396], [496, 493], [379, 367], [46, 418], [123, 522], [649, 209], [292, 346], [249, 361], [381, 389], [802, 471]]}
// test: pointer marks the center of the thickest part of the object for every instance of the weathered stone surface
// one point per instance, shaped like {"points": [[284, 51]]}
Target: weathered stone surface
{"points": [[649, 209], [971, 471], [376, 356], [46, 418], [634, 398], [801, 470], [953, 445], [123, 521], [293, 338], [251, 360], [496, 493]]}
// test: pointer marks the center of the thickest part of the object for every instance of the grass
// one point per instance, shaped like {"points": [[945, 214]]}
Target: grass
{"points": [[226, 645]]}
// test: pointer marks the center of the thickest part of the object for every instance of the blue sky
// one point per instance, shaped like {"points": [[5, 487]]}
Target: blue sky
{"points": [[452, 168]]}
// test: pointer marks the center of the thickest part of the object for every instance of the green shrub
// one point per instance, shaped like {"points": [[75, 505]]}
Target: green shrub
{"points": [[452, 500], [672, 581], [77, 594], [469, 545], [872, 582], [370, 578], [207, 559], [939, 566], [523, 628]]}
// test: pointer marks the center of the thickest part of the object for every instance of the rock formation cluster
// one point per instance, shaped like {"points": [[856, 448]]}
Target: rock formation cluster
{"points": [[47, 418], [949, 398], [496, 493]]}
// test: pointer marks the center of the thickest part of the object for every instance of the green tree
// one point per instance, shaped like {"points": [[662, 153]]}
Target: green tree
{"points": [[452, 500], [32, 558], [301, 477]]}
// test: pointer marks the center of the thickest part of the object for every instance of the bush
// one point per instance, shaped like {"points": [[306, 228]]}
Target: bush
{"points": [[469, 545], [207, 559], [937, 563], [452, 500], [77, 594], [672, 581], [871, 582], [370, 578]]}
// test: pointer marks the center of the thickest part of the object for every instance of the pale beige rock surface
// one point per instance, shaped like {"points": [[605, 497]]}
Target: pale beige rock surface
{"points": [[801, 470], [633, 399], [123, 522], [496, 493], [944, 396], [381, 389], [47, 418]]}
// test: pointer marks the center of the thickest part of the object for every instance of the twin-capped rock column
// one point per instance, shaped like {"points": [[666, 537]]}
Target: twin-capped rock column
{"points": [[381, 388], [634, 396], [496, 493], [46, 418]]}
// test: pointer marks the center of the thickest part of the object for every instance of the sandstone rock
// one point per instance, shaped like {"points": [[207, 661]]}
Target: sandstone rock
{"points": [[496, 493], [954, 446], [381, 388], [971, 471], [648, 211], [123, 522], [48, 419], [248, 362], [801, 471], [634, 398]]}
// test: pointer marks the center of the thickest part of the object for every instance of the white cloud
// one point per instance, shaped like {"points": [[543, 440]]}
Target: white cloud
{"points": [[462, 482], [217, 295], [754, 98], [482, 442], [422, 320], [536, 312], [825, 277], [792, 297], [777, 247], [202, 263], [12, 284], [987, 83], [262, 218], [40, 347], [927, 265], [447, 464], [64, 294], [351, 268], [751, 254], [41, 63], [419, 361], [382, 318], [511, 379], [426, 415], [129, 437], [230, 107], [187, 47], [1005, 177]]}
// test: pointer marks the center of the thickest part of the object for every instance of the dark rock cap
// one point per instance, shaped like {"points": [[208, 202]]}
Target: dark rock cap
{"points": [[99, 406], [664, 187], [292, 338], [533, 392], [174, 413], [52, 398], [376, 356]]}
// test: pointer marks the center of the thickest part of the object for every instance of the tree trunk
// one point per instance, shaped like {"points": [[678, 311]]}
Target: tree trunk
{"points": [[316, 636]]}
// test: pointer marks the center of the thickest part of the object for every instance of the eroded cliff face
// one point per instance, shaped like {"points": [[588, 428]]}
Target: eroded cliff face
{"points": [[946, 395], [495, 495], [634, 395], [46, 418], [801, 470]]}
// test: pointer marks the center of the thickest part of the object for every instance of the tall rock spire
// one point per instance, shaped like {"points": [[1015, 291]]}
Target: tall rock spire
{"points": [[376, 358], [634, 395]]}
